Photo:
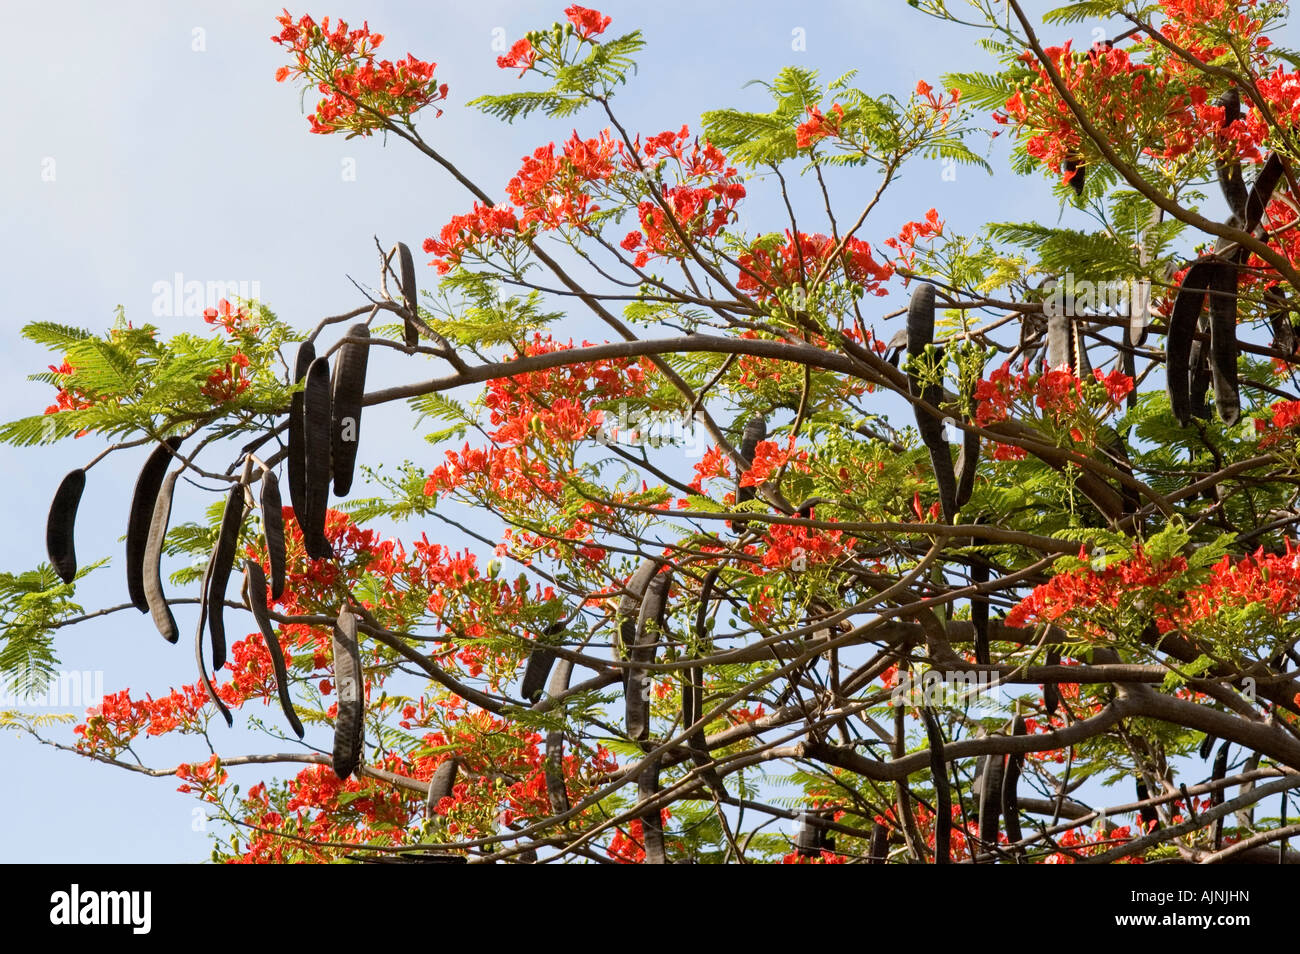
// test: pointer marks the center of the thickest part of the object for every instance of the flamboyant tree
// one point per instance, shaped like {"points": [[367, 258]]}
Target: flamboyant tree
{"points": [[1011, 578]]}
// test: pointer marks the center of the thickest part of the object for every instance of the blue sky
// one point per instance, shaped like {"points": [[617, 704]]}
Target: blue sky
{"points": [[174, 151]]}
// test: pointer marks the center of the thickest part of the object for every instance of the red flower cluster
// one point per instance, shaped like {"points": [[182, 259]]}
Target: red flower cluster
{"points": [[68, 399], [552, 191], [520, 56], [1086, 588], [817, 126], [797, 261], [588, 22], [235, 320], [228, 381], [360, 93]]}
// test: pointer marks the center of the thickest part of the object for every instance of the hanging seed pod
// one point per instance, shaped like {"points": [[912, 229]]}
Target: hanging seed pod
{"points": [[879, 851], [296, 450], [1199, 373], [1051, 694], [629, 605], [560, 678], [349, 727], [1223, 349], [652, 828], [348, 390], [811, 839], [557, 793], [60, 525], [316, 427], [441, 785], [143, 500], [1010, 786], [255, 583], [1058, 340], [539, 665], [410, 294], [990, 799], [1218, 774], [223, 562], [1183, 319], [920, 335], [1078, 172], [1207, 746], [273, 530], [1227, 165], [979, 612], [755, 431], [1150, 817], [896, 346], [968, 460], [1079, 350], [649, 626], [1279, 320], [198, 645], [1261, 191], [155, 596], [942, 793]]}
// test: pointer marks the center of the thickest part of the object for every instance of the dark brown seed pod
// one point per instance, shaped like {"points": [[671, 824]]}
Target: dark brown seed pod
{"points": [[1261, 191], [349, 727], [1218, 773], [441, 785], [629, 605], [1207, 746], [968, 460], [652, 829], [1051, 694], [1279, 319], [539, 664], [143, 499], [1010, 786], [1227, 165], [255, 583], [560, 677], [1183, 319], [316, 428], [990, 799], [223, 561], [60, 525], [942, 792], [296, 450], [1199, 371], [979, 612], [273, 531], [920, 335], [1223, 343], [410, 294], [557, 792], [1079, 350], [155, 596], [649, 627], [349, 387], [1150, 817], [198, 645], [1079, 172], [755, 430], [879, 851]]}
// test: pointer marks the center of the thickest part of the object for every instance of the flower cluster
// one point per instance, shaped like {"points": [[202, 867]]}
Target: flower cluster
{"points": [[767, 266]]}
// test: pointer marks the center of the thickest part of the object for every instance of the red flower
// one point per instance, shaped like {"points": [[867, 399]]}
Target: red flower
{"points": [[589, 23], [521, 56]]}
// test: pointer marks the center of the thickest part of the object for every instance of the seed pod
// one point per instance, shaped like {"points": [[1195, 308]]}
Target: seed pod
{"points": [[1279, 319], [811, 838], [296, 455], [255, 581], [1207, 746], [1010, 785], [349, 387], [1058, 340], [1223, 343], [1183, 319], [155, 596], [1150, 817], [557, 792], [61, 524], [316, 428], [349, 727], [942, 793], [979, 612], [897, 344], [920, 334], [1079, 350], [273, 531], [410, 294], [1218, 773], [1261, 191], [968, 460], [539, 665], [441, 785], [143, 500], [652, 829], [560, 676], [1228, 166], [629, 605], [198, 644], [879, 851], [649, 626], [755, 431], [1051, 694], [223, 561], [1074, 165], [990, 799]]}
